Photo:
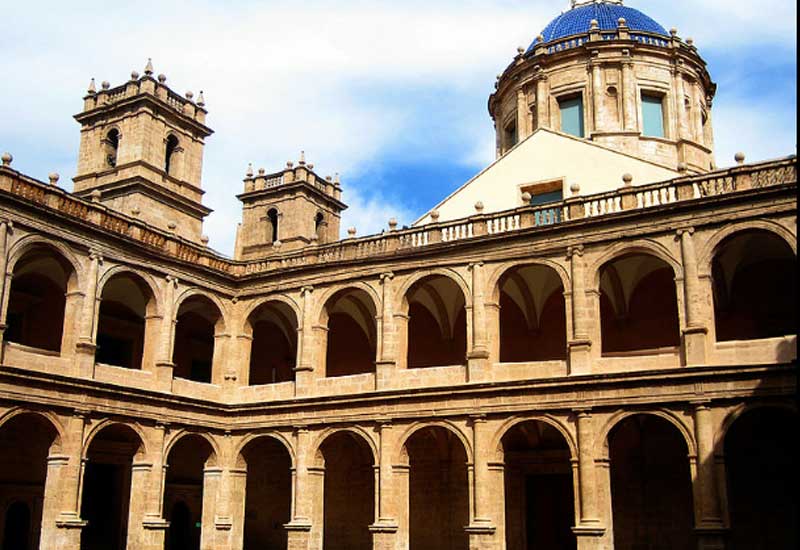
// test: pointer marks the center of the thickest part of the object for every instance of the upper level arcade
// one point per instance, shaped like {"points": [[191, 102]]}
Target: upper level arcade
{"points": [[141, 152], [611, 74]]}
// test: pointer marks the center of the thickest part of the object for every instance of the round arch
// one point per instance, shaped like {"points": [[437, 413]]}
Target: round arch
{"points": [[641, 246], [502, 269], [255, 304], [739, 411], [601, 442], [357, 431], [15, 412], [399, 453], [21, 247], [123, 270], [401, 294], [511, 423], [320, 310], [250, 438], [179, 435], [711, 246], [198, 292], [107, 423]]}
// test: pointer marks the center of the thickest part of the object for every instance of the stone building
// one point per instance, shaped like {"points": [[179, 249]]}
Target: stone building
{"points": [[613, 369]]}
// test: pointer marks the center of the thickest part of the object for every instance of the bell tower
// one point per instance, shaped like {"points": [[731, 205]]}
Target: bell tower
{"points": [[287, 210], [141, 152]]}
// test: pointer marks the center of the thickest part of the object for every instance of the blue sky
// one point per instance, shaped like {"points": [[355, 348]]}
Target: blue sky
{"points": [[390, 94]]}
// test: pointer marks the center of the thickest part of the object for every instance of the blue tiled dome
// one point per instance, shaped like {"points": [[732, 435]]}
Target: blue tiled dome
{"points": [[578, 19]]}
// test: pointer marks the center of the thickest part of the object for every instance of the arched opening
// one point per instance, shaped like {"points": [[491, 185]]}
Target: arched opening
{"points": [[37, 299], [17, 527], [107, 488], [273, 351], [437, 323], [170, 155], [755, 287], [319, 225], [122, 325], [25, 442], [540, 502], [349, 492], [438, 492], [272, 216], [638, 304], [111, 143], [352, 334], [533, 319], [762, 477], [199, 322], [183, 491], [268, 495], [651, 487]]}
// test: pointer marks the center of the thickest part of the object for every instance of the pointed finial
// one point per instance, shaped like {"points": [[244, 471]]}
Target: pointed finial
{"points": [[621, 22], [148, 69], [336, 179], [249, 172], [201, 100], [594, 25], [302, 160], [520, 50], [92, 88]]}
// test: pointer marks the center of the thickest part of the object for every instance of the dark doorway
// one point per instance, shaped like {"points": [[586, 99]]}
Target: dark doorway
{"points": [[181, 529], [17, 527]]}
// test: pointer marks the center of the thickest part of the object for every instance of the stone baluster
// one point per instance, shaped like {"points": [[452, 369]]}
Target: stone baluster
{"points": [[695, 333], [86, 347], [304, 371], [580, 343]]}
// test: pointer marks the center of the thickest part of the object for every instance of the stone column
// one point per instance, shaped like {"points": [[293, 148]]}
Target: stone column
{"points": [[542, 107], [164, 364], [139, 489], [153, 523], [65, 532], [304, 371], [580, 344], [522, 115], [695, 340], [299, 527], [384, 530], [482, 529], [629, 110], [605, 541], [478, 356], [212, 531], [597, 96], [709, 524], [237, 498], [387, 335], [86, 347], [4, 227], [589, 527]]}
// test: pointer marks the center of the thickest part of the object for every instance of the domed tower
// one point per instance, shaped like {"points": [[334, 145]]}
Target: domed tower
{"points": [[608, 73]]}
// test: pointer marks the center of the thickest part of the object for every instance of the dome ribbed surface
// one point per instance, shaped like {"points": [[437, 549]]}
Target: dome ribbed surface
{"points": [[577, 21]]}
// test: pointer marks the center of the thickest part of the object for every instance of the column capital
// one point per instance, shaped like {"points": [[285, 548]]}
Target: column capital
{"points": [[95, 255], [574, 250], [582, 412], [684, 231], [473, 265], [387, 276], [172, 280], [306, 290], [477, 418]]}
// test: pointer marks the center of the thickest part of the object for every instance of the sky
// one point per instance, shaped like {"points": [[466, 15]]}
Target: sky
{"points": [[391, 95]]}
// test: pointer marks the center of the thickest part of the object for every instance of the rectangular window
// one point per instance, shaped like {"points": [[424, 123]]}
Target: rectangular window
{"points": [[511, 135], [652, 115], [572, 116]]}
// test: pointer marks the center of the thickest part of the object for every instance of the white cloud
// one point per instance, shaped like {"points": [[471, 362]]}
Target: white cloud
{"points": [[346, 80]]}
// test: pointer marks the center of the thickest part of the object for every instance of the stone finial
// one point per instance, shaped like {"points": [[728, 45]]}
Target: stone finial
{"points": [[336, 179], [134, 75], [289, 164], [249, 172], [690, 41], [739, 158], [594, 25], [479, 207], [201, 101], [673, 32], [105, 85], [302, 161], [135, 211], [575, 189], [204, 240], [435, 215], [261, 172], [526, 198], [171, 226], [627, 179], [92, 88], [95, 195], [682, 167], [53, 177], [351, 232], [520, 50], [162, 78], [329, 179], [392, 224], [277, 244], [7, 159], [148, 69], [540, 38], [310, 166], [621, 22]]}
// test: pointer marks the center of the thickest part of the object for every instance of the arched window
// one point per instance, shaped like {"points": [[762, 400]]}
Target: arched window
{"points": [[319, 224], [199, 321], [437, 323], [351, 337], [112, 147], [123, 322], [273, 350], [171, 153], [272, 216]]}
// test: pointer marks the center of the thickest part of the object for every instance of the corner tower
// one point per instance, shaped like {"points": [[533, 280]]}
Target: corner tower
{"points": [[609, 73], [141, 152], [287, 210]]}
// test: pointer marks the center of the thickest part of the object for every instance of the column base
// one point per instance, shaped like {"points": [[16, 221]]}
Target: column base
{"points": [[589, 535], [383, 373], [580, 358], [298, 534], [154, 533], [384, 535], [695, 340], [711, 538], [482, 535], [303, 381], [67, 535]]}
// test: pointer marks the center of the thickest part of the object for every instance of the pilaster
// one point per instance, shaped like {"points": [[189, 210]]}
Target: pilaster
{"points": [[589, 527], [299, 527], [164, 364], [304, 371], [486, 496], [709, 525], [86, 346], [5, 226], [695, 334], [387, 334], [65, 532], [478, 356], [580, 343]]}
